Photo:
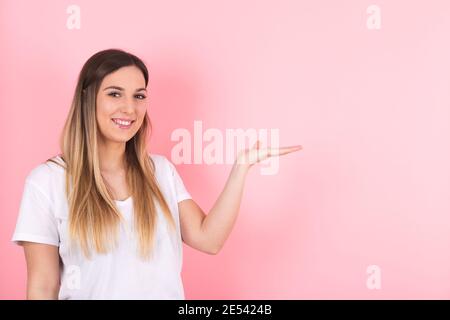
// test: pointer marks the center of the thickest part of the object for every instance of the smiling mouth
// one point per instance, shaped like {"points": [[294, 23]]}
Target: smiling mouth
{"points": [[123, 124]]}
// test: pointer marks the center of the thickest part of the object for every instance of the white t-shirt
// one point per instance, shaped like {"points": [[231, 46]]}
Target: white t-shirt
{"points": [[120, 274]]}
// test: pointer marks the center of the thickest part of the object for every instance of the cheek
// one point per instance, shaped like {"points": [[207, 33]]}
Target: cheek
{"points": [[103, 117], [103, 111], [141, 110]]}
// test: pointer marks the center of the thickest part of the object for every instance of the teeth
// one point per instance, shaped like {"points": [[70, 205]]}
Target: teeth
{"points": [[124, 123]]}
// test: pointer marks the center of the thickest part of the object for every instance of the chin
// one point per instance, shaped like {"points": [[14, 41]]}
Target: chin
{"points": [[120, 139]]}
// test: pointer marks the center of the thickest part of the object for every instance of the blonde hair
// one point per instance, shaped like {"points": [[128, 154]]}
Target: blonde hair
{"points": [[93, 216]]}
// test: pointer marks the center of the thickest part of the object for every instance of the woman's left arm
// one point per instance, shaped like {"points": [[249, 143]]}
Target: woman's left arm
{"points": [[208, 233]]}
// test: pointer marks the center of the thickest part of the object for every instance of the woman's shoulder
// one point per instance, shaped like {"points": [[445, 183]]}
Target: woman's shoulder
{"points": [[157, 156], [163, 166], [46, 170], [160, 160]]}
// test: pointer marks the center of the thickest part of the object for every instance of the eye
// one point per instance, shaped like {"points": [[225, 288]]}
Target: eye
{"points": [[112, 94], [141, 96]]}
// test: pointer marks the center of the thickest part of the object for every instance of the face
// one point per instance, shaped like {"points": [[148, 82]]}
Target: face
{"points": [[122, 98]]}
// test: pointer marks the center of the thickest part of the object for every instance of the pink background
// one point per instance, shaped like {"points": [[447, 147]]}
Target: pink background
{"points": [[370, 108]]}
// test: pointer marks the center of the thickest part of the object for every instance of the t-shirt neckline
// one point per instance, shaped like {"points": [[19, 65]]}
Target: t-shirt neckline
{"points": [[123, 201]]}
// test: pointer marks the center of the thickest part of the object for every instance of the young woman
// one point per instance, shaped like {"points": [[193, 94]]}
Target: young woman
{"points": [[105, 219]]}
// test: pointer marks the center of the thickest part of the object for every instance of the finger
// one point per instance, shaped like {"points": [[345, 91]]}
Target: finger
{"points": [[292, 147], [283, 150]]}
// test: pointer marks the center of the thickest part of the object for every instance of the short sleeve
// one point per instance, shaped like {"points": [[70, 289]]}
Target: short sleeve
{"points": [[36, 221], [180, 189]]}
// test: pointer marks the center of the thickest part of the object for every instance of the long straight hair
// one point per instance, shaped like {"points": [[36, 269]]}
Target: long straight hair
{"points": [[94, 219]]}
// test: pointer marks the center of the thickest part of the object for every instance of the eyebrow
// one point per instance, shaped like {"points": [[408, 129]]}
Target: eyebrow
{"points": [[122, 89]]}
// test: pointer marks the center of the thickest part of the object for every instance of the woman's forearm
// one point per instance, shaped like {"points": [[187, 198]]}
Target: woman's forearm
{"points": [[218, 223]]}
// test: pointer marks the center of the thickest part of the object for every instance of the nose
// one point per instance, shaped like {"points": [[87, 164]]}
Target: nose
{"points": [[128, 106]]}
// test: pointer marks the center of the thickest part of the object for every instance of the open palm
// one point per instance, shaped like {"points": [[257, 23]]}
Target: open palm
{"points": [[256, 154]]}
